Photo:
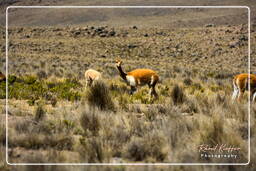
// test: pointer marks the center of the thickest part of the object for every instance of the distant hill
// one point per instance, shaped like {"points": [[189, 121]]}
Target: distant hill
{"points": [[124, 17]]}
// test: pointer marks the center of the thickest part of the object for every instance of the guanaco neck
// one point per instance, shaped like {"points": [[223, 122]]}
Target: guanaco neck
{"points": [[122, 73]]}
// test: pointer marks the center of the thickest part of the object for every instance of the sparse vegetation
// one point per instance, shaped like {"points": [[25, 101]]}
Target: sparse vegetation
{"points": [[31, 88], [151, 147], [90, 121], [52, 114]]}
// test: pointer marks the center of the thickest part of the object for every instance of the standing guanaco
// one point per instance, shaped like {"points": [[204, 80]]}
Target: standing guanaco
{"points": [[139, 77], [90, 76]]}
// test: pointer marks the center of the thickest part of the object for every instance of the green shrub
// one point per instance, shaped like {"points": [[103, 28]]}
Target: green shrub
{"points": [[69, 125], [31, 89], [2, 135], [29, 79], [2, 90], [64, 90], [11, 79]]}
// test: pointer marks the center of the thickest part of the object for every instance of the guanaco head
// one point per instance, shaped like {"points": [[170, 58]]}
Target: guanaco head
{"points": [[118, 62], [89, 81]]}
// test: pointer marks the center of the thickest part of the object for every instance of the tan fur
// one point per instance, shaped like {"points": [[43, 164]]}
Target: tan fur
{"points": [[91, 75], [141, 77], [240, 84]]}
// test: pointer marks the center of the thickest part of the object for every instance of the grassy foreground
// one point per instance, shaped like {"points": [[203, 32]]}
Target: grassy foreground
{"points": [[54, 118]]}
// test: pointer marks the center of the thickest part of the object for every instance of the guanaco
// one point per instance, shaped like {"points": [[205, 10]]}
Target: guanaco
{"points": [[139, 77], [90, 76], [240, 84], [2, 77]]}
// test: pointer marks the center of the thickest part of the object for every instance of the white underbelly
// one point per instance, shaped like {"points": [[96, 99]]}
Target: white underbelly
{"points": [[131, 80]]}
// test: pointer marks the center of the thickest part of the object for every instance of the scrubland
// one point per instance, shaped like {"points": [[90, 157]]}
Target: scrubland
{"points": [[53, 117]]}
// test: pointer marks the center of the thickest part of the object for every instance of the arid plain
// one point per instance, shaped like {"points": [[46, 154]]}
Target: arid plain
{"points": [[53, 117]]}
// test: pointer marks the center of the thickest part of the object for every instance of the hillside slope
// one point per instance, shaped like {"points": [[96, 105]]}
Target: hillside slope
{"points": [[117, 17]]}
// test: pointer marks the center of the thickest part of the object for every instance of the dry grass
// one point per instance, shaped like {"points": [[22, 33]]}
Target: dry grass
{"points": [[151, 147], [177, 95], [107, 124], [90, 121], [98, 96]]}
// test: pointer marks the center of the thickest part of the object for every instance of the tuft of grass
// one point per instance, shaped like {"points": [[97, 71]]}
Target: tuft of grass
{"points": [[93, 150], [39, 141], [98, 96], [177, 95], [152, 147], [2, 134], [123, 100], [214, 132], [90, 121], [40, 113], [11, 79], [41, 74], [151, 113], [2, 90], [187, 81], [30, 79]]}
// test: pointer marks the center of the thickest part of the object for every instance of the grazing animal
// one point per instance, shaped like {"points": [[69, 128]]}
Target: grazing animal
{"points": [[240, 84], [90, 76], [139, 77], [2, 77]]}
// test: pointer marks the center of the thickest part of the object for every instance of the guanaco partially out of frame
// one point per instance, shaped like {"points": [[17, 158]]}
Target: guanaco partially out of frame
{"points": [[2, 77], [240, 84]]}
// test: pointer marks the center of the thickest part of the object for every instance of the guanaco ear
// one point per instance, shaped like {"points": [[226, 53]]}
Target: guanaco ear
{"points": [[118, 62]]}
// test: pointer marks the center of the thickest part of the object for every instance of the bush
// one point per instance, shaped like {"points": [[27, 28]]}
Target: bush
{"points": [[41, 75], [30, 79], [90, 121], [187, 81], [93, 150], [2, 90], [40, 113], [151, 147], [2, 134], [98, 96], [11, 79], [214, 133], [63, 90], [177, 95]]}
